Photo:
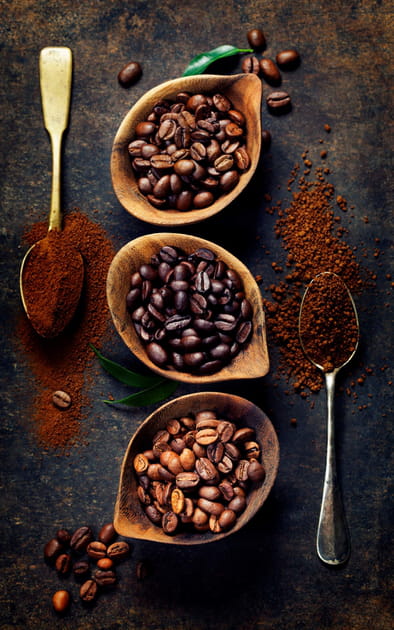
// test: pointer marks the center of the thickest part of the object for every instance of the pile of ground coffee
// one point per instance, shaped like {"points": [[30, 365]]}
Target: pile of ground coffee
{"points": [[61, 363]]}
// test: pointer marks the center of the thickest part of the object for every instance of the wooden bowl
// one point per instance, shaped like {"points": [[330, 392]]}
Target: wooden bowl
{"points": [[244, 91], [251, 362], [130, 519]]}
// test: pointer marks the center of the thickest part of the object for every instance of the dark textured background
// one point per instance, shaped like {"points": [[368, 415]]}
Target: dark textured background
{"points": [[268, 575]]}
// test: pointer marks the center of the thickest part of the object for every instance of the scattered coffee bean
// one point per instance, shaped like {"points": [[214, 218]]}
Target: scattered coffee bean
{"points": [[61, 601], [63, 564], [88, 591], [80, 539], [288, 59], [118, 551], [96, 550], [270, 71], [183, 147], [105, 578], [81, 569], [192, 313], [250, 65], [216, 469], [61, 399], [265, 139], [52, 550], [278, 101], [63, 536], [256, 39], [129, 74], [107, 534]]}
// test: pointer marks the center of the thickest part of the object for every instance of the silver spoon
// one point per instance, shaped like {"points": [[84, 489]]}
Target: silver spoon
{"points": [[333, 540]]}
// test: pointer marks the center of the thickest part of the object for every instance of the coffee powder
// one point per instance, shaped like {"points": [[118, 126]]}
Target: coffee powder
{"points": [[61, 363]]}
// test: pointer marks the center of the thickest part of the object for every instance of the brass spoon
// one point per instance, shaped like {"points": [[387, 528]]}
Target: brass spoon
{"points": [[333, 540], [55, 82]]}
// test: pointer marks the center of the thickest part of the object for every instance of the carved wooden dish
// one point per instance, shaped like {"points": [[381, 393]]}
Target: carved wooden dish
{"points": [[244, 91], [251, 362], [130, 519]]}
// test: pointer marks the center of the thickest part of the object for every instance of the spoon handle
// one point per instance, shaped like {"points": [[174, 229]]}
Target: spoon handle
{"points": [[333, 543], [55, 83]]}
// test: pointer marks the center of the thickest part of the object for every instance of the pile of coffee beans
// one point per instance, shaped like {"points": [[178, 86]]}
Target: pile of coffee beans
{"points": [[189, 310], [91, 560], [197, 473], [189, 152]]}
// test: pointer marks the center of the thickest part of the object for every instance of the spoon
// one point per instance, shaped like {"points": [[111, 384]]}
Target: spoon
{"points": [[55, 82], [333, 541]]}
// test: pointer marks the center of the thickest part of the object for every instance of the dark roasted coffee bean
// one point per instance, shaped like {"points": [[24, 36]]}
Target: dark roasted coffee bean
{"points": [[250, 65], [221, 102], [145, 128], [227, 519], [170, 523], [157, 354], [270, 71], [206, 469], [237, 504], [278, 101], [135, 148], [107, 533], [63, 536], [203, 199], [288, 59], [52, 550], [129, 74], [244, 332], [118, 550], [187, 480], [88, 591], [81, 538], [81, 569], [105, 577], [256, 38], [153, 514], [229, 180], [245, 434], [265, 139], [256, 471], [63, 564]]}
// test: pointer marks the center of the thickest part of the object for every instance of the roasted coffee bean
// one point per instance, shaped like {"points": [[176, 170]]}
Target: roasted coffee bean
{"points": [[256, 39], [61, 399], [279, 101], [244, 434], [270, 71], [265, 139], [61, 601], [145, 128], [288, 59], [63, 564], [88, 591], [107, 533], [52, 550], [130, 73], [81, 569], [105, 563], [170, 522], [256, 471], [187, 480], [63, 536], [81, 538], [118, 550], [96, 550], [250, 65], [227, 519], [153, 514], [210, 507], [105, 577]]}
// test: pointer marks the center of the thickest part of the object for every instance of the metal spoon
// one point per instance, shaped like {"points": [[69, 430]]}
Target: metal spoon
{"points": [[333, 540], [55, 82]]}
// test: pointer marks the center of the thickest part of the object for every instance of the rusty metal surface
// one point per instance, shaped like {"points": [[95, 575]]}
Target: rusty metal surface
{"points": [[268, 575]]}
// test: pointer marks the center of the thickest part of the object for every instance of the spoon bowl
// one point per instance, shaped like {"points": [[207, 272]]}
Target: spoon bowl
{"points": [[48, 275], [252, 362], [333, 541], [130, 519], [243, 90]]}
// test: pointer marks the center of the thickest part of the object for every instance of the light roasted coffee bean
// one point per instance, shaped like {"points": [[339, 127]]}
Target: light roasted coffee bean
{"points": [[61, 399], [61, 601]]}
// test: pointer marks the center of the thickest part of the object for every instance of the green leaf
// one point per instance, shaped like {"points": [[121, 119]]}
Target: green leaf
{"points": [[200, 62], [148, 396], [124, 375]]}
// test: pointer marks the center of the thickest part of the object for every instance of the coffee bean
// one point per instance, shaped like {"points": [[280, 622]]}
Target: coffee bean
{"points": [[88, 591], [81, 538], [63, 536], [227, 518], [96, 550], [61, 399], [250, 65], [170, 522], [265, 139], [105, 577], [105, 563], [118, 551], [256, 39], [256, 471], [288, 59], [279, 101], [63, 564], [129, 74], [52, 550], [61, 601], [270, 72], [81, 569]]}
